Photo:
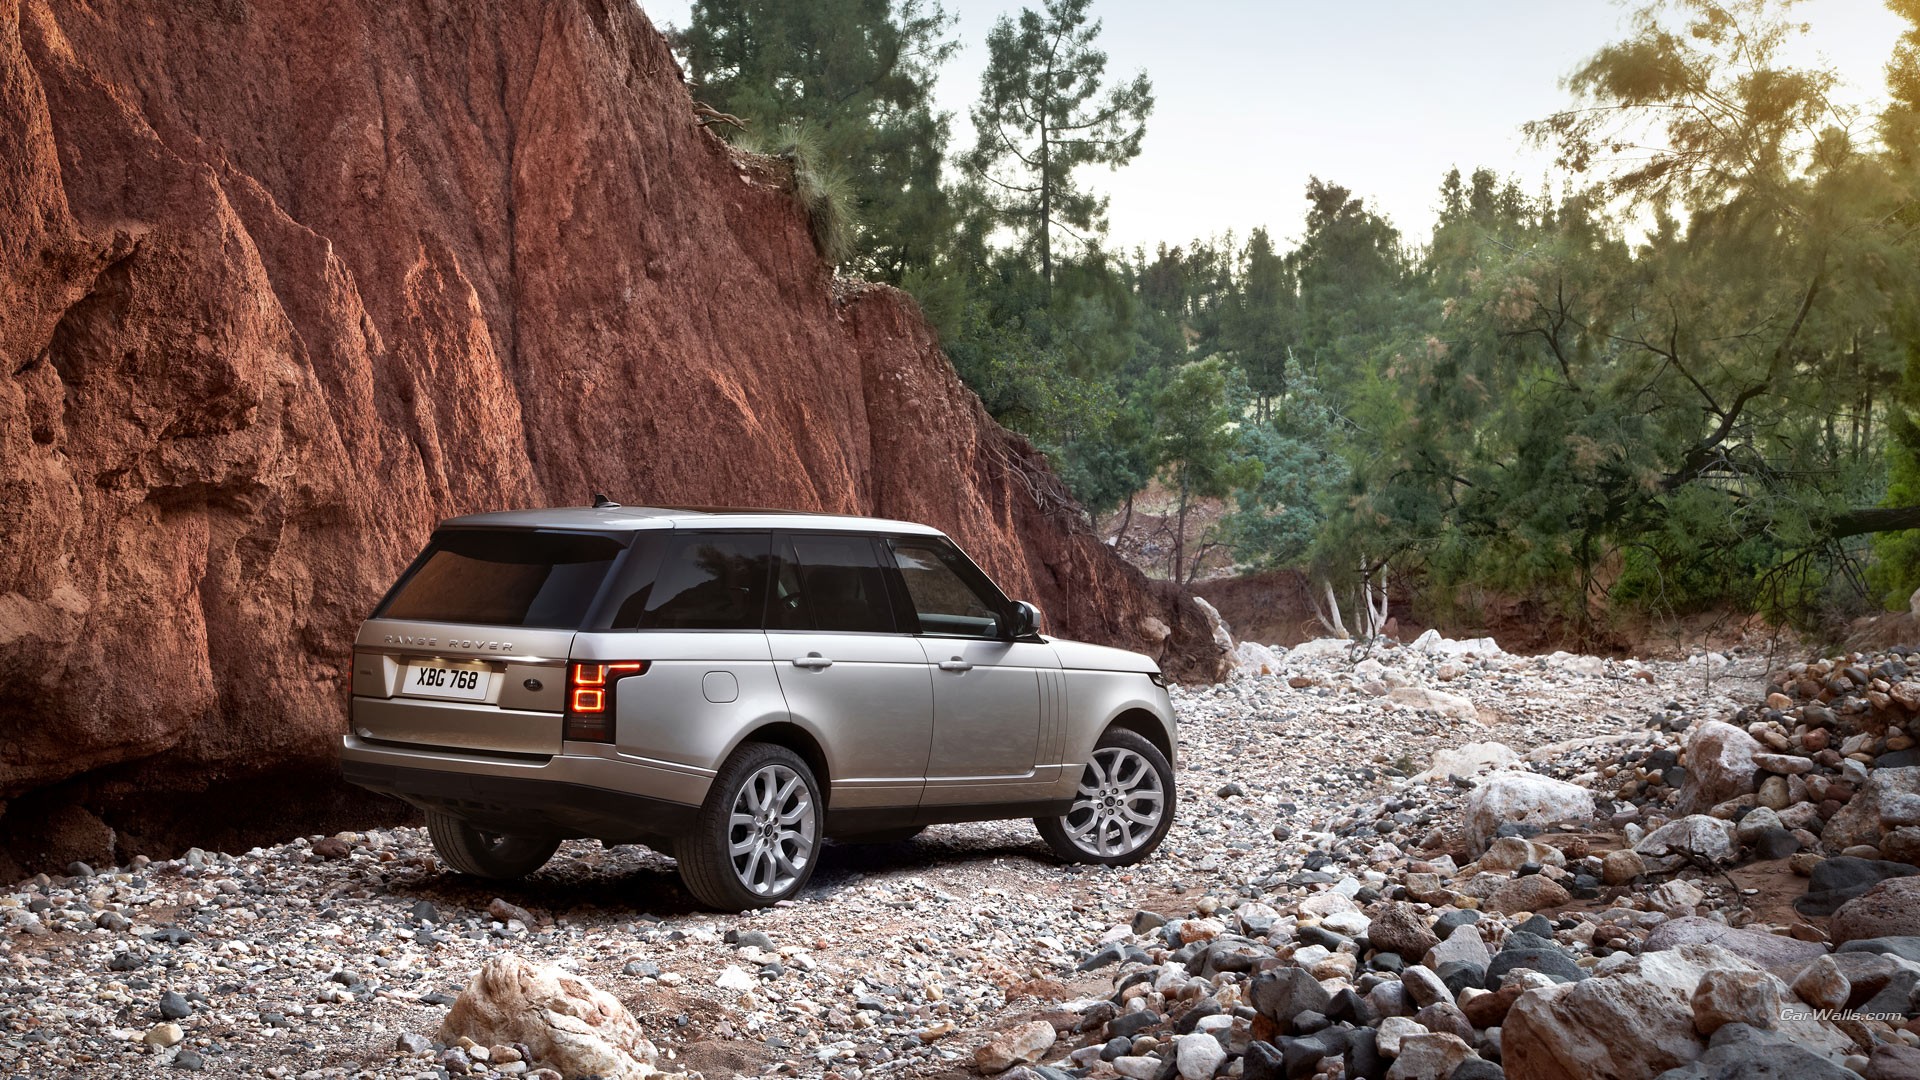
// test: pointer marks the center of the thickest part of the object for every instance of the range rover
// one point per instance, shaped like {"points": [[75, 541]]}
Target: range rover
{"points": [[733, 687]]}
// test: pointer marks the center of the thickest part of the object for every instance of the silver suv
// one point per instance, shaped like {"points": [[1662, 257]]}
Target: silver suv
{"points": [[734, 686]]}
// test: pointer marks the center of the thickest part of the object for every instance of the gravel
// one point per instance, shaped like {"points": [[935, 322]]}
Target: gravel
{"points": [[338, 956]]}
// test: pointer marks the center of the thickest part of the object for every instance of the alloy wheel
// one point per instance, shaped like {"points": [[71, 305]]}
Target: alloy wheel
{"points": [[1119, 803], [772, 830]]}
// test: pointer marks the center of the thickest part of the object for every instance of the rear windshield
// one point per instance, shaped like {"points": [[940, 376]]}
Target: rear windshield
{"points": [[489, 578]]}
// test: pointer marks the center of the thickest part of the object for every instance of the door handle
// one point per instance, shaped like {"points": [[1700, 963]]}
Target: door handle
{"points": [[812, 660], [955, 664]]}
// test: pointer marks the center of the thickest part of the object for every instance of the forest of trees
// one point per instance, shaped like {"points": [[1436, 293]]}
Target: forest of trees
{"points": [[1685, 375]]}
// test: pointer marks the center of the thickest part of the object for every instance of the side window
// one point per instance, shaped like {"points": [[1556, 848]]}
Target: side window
{"points": [[829, 583], [945, 594], [706, 581]]}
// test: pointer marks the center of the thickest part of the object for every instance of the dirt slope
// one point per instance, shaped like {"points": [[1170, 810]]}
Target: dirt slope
{"points": [[282, 284]]}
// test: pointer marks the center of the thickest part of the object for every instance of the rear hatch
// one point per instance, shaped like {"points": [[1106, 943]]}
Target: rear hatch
{"points": [[469, 650]]}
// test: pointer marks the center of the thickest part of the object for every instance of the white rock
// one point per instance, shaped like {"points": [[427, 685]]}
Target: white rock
{"points": [[1319, 649], [1523, 797], [1198, 1056], [567, 1023], [1591, 667], [1432, 644], [1222, 633], [1256, 659], [1137, 1068], [1350, 923], [1393, 1029], [734, 979], [1429, 1057], [1469, 760], [1676, 894], [1452, 706]]}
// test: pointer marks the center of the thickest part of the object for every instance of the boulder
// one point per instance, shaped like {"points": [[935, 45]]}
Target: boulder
{"points": [[1633, 1019], [1451, 706], [1835, 881], [1906, 948], [1740, 1052], [1463, 946], [1538, 954], [1522, 798], [1782, 956], [1621, 867], [1433, 1056], [1285, 993], [1678, 842], [1017, 1046], [1858, 822], [1392, 1030], [1535, 892], [566, 1022], [1749, 829], [1737, 996], [1513, 852], [1469, 760], [1719, 765], [1398, 928], [1889, 909], [1822, 984], [1891, 1061], [1197, 1057], [1254, 658]]}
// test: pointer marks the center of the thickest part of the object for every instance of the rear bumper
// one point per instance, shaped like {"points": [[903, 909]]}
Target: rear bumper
{"points": [[561, 796]]}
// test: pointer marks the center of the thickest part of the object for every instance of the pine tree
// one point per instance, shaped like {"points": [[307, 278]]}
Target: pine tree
{"points": [[856, 76], [1043, 112]]}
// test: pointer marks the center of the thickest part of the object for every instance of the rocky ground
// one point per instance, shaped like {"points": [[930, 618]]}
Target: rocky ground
{"points": [[1291, 925]]}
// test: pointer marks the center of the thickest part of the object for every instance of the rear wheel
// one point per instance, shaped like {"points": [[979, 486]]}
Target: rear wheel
{"points": [[1123, 808], [757, 837], [498, 856]]}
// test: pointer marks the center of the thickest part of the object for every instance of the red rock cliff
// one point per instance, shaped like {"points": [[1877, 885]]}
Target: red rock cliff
{"points": [[282, 284]]}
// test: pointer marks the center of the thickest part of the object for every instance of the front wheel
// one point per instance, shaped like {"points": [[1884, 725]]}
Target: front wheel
{"points": [[757, 837], [495, 856], [1123, 808]]}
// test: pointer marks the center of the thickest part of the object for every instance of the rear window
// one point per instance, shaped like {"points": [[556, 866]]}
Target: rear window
{"points": [[706, 581], [487, 578]]}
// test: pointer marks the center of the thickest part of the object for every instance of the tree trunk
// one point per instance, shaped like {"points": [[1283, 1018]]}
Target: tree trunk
{"points": [[1046, 196], [1180, 533], [1374, 594], [1330, 618], [1875, 519], [1125, 522]]}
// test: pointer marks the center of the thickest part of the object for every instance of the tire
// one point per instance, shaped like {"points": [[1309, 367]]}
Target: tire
{"points": [[494, 856], [1111, 823], [757, 838]]}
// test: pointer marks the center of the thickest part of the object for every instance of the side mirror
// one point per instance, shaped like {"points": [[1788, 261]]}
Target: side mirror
{"points": [[1026, 620]]}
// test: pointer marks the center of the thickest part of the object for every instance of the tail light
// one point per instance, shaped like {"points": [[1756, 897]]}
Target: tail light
{"points": [[590, 698]]}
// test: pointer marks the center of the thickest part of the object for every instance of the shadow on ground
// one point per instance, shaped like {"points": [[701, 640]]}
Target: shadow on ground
{"points": [[586, 880]]}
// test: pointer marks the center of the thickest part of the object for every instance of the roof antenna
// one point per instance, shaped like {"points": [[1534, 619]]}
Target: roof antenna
{"points": [[601, 502]]}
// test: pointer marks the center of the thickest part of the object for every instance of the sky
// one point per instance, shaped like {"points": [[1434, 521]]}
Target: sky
{"points": [[1380, 96]]}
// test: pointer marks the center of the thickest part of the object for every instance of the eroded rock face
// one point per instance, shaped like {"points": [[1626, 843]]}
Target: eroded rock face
{"points": [[568, 1024], [262, 330]]}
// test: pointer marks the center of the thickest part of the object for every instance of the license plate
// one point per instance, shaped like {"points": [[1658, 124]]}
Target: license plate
{"points": [[459, 682]]}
